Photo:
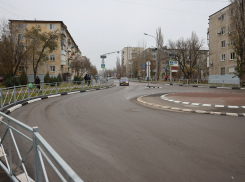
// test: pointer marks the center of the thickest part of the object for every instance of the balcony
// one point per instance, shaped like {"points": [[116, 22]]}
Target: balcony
{"points": [[63, 60], [63, 32], [63, 52]]}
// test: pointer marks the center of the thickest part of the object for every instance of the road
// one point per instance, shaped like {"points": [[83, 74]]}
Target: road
{"points": [[106, 136]]}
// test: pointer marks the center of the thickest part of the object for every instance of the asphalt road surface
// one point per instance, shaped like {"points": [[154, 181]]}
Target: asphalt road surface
{"points": [[106, 136]]}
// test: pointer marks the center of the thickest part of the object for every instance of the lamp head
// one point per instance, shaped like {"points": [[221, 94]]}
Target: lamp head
{"points": [[145, 33]]}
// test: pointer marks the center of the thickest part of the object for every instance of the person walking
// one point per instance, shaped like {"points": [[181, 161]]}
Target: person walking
{"points": [[166, 78], [37, 82], [86, 78]]}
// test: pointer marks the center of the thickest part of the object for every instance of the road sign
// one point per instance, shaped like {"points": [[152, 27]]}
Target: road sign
{"points": [[148, 63], [103, 66], [171, 55], [143, 66], [171, 63], [103, 56]]}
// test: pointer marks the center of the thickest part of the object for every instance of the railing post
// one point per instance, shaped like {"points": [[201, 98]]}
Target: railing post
{"points": [[92, 84], [14, 95], [179, 81], [187, 82], [197, 82], [100, 83], [10, 153], [82, 85], [1, 96], [28, 90], [69, 86], [43, 89], [223, 83], [208, 83], [37, 162], [56, 86]]}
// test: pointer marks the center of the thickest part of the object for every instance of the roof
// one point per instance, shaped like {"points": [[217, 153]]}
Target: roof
{"points": [[220, 10]]}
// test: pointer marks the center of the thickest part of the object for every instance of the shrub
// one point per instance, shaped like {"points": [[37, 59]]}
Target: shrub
{"points": [[13, 81], [77, 78], [23, 78], [59, 78], [47, 78]]}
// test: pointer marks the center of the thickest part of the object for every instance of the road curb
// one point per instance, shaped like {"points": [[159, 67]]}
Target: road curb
{"points": [[198, 104], [139, 99]]}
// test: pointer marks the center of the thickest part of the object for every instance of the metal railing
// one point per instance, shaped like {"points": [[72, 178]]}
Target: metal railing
{"points": [[203, 82], [209, 82], [12, 95], [41, 151]]}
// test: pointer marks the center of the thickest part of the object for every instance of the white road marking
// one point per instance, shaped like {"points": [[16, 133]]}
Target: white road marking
{"points": [[232, 106], [219, 106], [209, 105]]}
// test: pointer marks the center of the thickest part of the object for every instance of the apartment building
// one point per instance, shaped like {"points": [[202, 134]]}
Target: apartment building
{"points": [[57, 61], [128, 55], [221, 61]]}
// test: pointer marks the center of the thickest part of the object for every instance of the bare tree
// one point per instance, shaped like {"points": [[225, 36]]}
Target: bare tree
{"points": [[76, 64], [237, 17], [86, 64], [12, 47], [187, 53], [93, 70], [118, 66], [160, 54], [42, 43]]}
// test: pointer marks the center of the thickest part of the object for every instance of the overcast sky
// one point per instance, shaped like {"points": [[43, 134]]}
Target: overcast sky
{"points": [[103, 26]]}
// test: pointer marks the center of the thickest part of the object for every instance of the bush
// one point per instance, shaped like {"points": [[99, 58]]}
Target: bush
{"points": [[23, 78], [13, 81], [47, 78], [59, 78], [52, 80], [78, 79]]}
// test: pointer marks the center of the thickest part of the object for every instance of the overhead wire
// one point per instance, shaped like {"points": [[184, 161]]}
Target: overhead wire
{"points": [[16, 8]]}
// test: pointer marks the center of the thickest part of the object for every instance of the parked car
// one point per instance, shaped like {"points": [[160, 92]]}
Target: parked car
{"points": [[124, 81], [1, 78]]}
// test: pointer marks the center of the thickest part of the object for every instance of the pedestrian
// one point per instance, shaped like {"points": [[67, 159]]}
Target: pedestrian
{"points": [[96, 78], [166, 77], [86, 78], [37, 82]]}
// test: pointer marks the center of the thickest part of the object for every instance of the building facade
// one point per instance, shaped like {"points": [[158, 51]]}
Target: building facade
{"points": [[58, 61], [221, 60], [128, 55]]}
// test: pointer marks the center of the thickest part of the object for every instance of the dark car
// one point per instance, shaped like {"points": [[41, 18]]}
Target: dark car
{"points": [[124, 81]]}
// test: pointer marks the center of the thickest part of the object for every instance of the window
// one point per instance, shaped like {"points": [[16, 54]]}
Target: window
{"points": [[223, 17], [52, 58], [20, 26], [231, 69], [223, 43], [232, 56], [20, 36], [223, 71], [231, 42], [223, 57], [21, 68], [51, 26], [52, 68], [223, 30], [52, 48]]}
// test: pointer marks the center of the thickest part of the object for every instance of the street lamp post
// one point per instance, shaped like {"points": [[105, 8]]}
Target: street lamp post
{"points": [[156, 52]]}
